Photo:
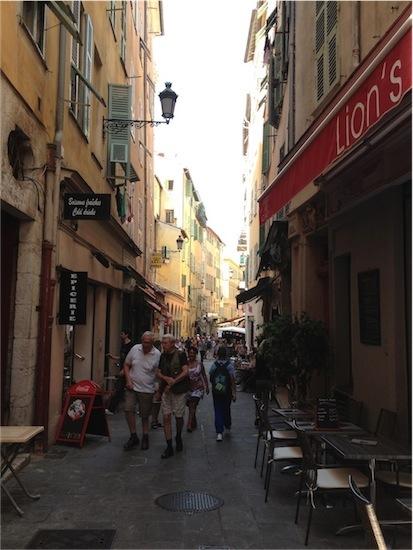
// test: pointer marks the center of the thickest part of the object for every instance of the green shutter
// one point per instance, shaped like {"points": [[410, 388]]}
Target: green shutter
{"points": [[88, 64], [265, 148], [119, 142]]}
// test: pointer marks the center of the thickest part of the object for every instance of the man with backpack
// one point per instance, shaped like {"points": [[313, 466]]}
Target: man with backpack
{"points": [[173, 373], [222, 377]]}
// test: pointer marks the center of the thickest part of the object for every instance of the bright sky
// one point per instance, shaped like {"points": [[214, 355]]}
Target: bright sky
{"points": [[202, 54]]}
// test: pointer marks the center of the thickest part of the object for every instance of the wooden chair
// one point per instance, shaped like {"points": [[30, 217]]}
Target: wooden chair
{"points": [[373, 534], [319, 479]]}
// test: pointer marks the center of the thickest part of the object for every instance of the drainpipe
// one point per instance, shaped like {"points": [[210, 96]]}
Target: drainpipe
{"points": [[48, 268], [145, 166], [291, 95], [355, 17]]}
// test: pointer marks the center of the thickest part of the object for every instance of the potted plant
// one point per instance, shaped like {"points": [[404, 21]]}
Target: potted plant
{"points": [[292, 349]]}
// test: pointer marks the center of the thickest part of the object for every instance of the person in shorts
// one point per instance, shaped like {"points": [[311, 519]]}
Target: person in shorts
{"points": [[140, 368], [173, 374]]}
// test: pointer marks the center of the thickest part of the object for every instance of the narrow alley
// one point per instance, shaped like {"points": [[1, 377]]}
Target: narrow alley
{"points": [[103, 487]]}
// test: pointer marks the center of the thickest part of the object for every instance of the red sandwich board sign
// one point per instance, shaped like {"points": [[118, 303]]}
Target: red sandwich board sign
{"points": [[83, 413]]}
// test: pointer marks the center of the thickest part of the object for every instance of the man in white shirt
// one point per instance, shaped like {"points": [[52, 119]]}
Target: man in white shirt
{"points": [[140, 369]]}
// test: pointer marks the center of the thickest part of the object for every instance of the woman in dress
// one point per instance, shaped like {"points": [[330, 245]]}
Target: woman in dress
{"points": [[199, 384]]}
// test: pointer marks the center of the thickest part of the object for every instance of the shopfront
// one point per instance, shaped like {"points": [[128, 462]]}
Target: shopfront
{"points": [[347, 187]]}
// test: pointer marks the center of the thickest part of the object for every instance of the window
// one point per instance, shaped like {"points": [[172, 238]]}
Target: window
{"points": [[327, 73], [82, 61], [183, 281], [169, 216], [166, 253], [170, 185], [33, 18]]}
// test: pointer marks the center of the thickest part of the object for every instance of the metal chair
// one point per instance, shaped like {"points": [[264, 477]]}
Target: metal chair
{"points": [[278, 454], [372, 529], [265, 427], [319, 479]]}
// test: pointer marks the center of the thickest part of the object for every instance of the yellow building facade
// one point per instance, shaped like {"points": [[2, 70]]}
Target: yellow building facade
{"points": [[64, 70]]}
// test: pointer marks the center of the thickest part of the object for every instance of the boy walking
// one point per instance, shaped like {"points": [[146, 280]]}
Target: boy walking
{"points": [[222, 377]]}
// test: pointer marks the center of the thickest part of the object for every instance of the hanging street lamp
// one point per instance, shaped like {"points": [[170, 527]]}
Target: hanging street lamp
{"points": [[168, 99]]}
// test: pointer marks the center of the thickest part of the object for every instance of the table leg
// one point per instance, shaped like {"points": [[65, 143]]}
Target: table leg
{"points": [[14, 503], [16, 477]]}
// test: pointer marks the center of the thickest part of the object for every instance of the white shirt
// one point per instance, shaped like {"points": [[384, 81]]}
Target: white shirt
{"points": [[143, 368]]}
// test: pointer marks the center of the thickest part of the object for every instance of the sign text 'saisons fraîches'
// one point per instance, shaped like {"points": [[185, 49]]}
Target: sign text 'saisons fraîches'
{"points": [[85, 206]]}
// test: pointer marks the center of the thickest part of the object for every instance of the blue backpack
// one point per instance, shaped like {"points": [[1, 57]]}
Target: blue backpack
{"points": [[221, 380]]}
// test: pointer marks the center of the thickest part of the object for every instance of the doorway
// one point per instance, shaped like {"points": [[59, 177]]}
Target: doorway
{"points": [[9, 248]]}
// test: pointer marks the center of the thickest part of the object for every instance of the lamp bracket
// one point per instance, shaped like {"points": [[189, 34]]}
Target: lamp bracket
{"points": [[116, 125]]}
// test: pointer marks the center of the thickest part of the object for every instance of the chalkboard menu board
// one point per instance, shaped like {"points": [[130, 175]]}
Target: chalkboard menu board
{"points": [[369, 307], [327, 415]]}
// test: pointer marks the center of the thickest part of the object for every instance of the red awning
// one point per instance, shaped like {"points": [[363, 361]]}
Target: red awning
{"points": [[376, 86]]}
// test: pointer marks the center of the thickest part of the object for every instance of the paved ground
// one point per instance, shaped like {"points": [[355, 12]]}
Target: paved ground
{"points": [[101, 486]]}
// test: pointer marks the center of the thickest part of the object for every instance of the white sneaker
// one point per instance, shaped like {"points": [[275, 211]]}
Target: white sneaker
{"points": [[108, 412], [219, 437]]}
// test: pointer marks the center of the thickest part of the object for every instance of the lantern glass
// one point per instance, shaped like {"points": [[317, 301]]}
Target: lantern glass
{"points": [[168, 100]]}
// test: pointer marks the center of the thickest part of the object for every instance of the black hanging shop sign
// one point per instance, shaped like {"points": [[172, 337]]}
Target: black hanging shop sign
{"points": [[84, 206], [73, 297]]}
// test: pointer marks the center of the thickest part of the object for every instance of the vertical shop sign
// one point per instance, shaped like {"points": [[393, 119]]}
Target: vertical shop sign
{"points": [[73, 296]]}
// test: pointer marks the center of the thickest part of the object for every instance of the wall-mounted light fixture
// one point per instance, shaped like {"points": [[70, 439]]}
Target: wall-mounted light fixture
{"points": [[168, 99]]}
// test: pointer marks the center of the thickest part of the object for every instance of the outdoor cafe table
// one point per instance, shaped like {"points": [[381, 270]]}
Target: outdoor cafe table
{"points": [[311, 429], [293, 413], [12, 439], [383, 450]]}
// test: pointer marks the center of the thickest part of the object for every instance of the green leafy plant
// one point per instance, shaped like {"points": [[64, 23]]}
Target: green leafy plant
{"points": [[293, 349]]}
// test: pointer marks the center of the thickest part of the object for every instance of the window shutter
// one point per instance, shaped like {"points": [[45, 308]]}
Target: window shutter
{"points": [[332, 43], [327, 72], [265, 149], [320, 36], [88, 73], [119, 142], [75, 43]]}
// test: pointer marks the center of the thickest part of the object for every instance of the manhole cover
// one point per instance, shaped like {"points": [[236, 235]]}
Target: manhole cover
{"points": [[189, 502], [73, 538]]}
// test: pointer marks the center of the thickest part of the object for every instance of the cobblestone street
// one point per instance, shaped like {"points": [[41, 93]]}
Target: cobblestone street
{"points": [[103, 487]]}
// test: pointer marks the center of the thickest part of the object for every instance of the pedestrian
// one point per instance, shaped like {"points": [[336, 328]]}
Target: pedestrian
{"points": [[173, 372], [223, 388], [202, 349], [125, 347], [198, 385], [141, 366]]}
